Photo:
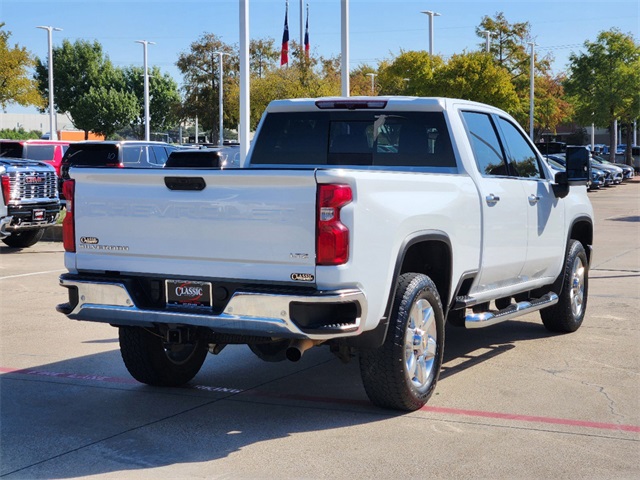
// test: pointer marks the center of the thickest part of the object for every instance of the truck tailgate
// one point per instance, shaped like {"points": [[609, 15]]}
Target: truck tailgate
{"points": [[243, 225]]}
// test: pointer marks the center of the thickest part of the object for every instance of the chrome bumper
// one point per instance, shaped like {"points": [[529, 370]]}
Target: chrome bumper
{"points": [[247, 313]]}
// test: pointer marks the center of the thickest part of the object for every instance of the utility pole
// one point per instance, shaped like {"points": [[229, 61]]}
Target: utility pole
{"points": [[431, 15], [488, 34], [373, 85], [147, 116], [53, 135], [220, 98], [531, 89], [344, 56]]}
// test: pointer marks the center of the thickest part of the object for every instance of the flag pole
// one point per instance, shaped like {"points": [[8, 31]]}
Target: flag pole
{"points": [[301, 28]]}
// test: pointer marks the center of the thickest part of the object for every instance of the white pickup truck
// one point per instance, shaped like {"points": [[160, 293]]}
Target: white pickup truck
{"points": [[360, 223]]}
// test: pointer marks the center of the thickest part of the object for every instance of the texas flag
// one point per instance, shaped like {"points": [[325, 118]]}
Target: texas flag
{"points": [[284, 53]]}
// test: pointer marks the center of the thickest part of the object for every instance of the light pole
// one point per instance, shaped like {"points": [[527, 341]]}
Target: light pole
{"points": [[344, 48], [431, 15], [488, 34], [373, 85], [147, 117], [531, 87], [220, 97], [52, 131]]}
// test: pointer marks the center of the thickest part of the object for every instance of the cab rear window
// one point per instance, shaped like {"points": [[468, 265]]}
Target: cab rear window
{"points": [[367, 138]]}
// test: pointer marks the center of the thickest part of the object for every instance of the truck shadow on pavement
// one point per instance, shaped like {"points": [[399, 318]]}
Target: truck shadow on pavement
{"points": [[63, 420]]}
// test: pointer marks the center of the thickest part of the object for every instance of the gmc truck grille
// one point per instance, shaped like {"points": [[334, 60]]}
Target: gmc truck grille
{"points": [[33, 186]]}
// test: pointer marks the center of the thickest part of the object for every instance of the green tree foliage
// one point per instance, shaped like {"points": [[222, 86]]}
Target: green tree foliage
{"points": [[15, 84], [604, 81], [410, 73], [105, 110], [164, 99], [19, 134], [551, 106], [263, 56], [509, 48], [77, 67], [475, 76], [200, 71], [360, 81]]}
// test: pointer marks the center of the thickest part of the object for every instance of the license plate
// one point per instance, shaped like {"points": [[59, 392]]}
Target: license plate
{"points": [[39, 215], [188, 293]]}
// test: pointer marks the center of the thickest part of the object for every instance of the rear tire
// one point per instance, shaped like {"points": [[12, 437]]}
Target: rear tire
{"points": [[24, 239], [150, 360], [402, 373], [567, 315]]}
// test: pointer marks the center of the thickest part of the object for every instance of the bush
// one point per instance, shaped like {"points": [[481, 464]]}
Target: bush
{"points": [[19, 134]]}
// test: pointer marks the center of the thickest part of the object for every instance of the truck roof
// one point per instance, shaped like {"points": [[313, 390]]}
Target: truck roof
{"points": [[402, 103]]}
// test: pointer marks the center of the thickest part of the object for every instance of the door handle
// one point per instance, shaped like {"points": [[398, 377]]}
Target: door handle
{"points": [[492, 199], [533, 199]]}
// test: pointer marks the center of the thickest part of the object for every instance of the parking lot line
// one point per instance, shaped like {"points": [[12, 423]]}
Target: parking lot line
{"points": [[310, 398], [33, 273]]}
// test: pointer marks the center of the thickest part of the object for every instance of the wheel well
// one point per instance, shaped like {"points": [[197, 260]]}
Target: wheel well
{"points": [[432, 258], [582, 231]]}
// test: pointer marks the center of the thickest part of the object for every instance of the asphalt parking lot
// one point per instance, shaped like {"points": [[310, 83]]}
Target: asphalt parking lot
{"points": [[513, 401]]}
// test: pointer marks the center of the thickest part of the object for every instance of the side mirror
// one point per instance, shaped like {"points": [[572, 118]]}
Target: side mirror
{"points": [[578, 170]]}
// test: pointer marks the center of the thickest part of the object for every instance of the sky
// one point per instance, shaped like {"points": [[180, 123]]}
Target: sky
{"points": [[378, 29]]}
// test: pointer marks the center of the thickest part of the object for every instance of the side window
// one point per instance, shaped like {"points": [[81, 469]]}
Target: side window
{"points": [[132, 155], [485, 144], [160, 155], [522, 157]]}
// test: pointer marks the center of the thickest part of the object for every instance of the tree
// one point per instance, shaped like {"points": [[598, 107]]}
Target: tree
{"points": [[475, 76], [551, 107], [77, 68], [15, 84], [105, 110], [360, 80], [263, 56], [410, 73], [604, 81], [200, 71], [163, 94], [509, 48]]}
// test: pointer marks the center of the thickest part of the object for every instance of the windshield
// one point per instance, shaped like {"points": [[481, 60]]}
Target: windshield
{"points": [[39, 152]]}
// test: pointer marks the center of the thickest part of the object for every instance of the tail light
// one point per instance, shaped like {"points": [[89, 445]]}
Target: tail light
{"points": [[69, 224], [332, 241], [6, 189]]}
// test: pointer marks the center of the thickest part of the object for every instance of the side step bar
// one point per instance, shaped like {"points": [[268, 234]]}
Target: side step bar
{"points": [[485, 319]]}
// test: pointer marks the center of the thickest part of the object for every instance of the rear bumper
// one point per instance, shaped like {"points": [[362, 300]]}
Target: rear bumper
{"points": [[246, 313]]}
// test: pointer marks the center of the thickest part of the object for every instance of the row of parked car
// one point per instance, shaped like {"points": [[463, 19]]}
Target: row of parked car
{"points": [[603, 172], [32, 172]]}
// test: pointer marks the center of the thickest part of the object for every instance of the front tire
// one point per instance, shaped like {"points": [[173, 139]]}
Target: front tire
{"points": [[24, 239], [152, 361], [402, 373], [567, 315]]}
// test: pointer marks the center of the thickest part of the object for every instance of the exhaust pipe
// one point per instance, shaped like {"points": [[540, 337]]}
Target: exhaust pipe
{"points": [[298, 347]]}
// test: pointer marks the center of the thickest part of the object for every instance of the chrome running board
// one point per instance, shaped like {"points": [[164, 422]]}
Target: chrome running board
{"points": [[485, 319]]}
